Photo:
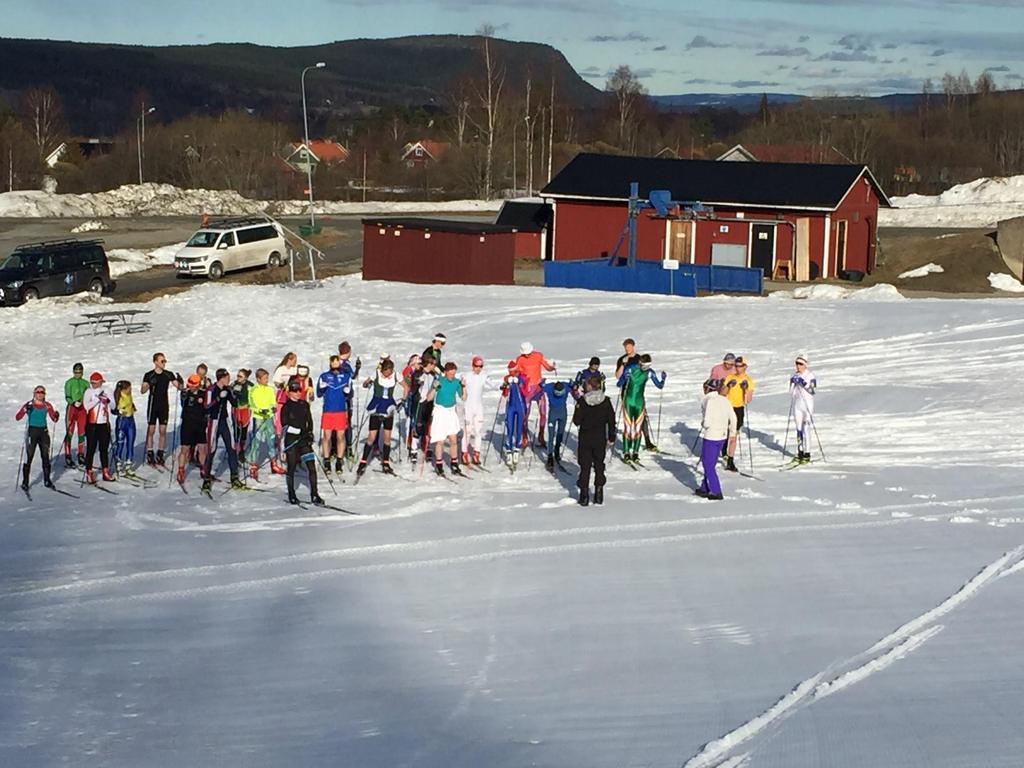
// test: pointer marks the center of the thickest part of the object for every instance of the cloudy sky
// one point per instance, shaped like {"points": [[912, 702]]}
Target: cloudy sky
{"points": [[794, 46]]}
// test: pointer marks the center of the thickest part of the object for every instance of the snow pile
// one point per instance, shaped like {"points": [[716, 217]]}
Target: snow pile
{"points": [[1003, 282], [85, 298], [167, 200], [927, 269], [125, 260], [979, 203], [831, 292], [90, 226]]}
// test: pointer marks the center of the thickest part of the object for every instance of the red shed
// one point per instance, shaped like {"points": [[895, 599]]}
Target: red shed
{"points": [[413, 250], [819, 219], [532, 220]]}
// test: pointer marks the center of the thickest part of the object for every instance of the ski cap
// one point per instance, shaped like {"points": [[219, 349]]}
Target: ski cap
{"points": [[729, 356], [195, 380], [511, 365], [96, 377], [526, 348], [595, 361], [294, 384], [440, 337], [477, 360], [712, 385], [740, 361], [801, 359], [77, 368]]}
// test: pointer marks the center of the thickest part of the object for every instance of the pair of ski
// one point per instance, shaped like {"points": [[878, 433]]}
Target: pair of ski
{"points": [[794, 463], [633, 464], [28, 494], [325, 505]]}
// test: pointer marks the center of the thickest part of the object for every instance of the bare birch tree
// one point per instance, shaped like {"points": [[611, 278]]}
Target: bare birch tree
{"points": [[489, 97], [44, 118]]}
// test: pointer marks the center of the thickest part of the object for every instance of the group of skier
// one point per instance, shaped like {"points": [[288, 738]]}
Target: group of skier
{"points": [[269, 420]]}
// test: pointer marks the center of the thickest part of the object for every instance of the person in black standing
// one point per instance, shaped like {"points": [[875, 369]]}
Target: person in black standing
{"points": [[156, 382], [435, 349], [221, 413], [595, 418], [297, 425]]}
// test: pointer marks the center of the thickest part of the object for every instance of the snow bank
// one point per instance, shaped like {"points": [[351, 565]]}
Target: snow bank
{"points": [[90, 226], [168, 200], [927, 269], [979, 203], [1004, 282], [829, 292], [125, 260]]}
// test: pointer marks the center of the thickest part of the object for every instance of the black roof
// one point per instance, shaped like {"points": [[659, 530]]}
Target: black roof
{"points": [[772, 185], [526, 216], [442, 225]]}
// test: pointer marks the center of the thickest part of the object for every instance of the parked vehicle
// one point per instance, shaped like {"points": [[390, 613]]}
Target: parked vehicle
{"points": [[54, 268], [231, 244]]}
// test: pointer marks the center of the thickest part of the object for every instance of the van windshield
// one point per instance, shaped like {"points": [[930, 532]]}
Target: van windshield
{"points": [[13, 262], [203, 240]]}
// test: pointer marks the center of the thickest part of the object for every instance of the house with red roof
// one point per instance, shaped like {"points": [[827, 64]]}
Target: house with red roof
{"points": [[321, 152], [423, 151]]}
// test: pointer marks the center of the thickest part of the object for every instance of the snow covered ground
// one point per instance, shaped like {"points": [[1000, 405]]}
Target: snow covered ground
{"points": [[863, 611], [167, 200], [125, 260], [979, 203]]}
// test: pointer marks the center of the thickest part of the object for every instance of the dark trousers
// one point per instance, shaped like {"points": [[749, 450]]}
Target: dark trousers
{"points": [[38, 437], [220, 431], [97, 438], [591, 456], [301, 454]]}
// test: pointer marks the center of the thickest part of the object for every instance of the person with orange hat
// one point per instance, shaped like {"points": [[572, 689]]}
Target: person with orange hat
{"points": [[192, 432], [96, 402]]}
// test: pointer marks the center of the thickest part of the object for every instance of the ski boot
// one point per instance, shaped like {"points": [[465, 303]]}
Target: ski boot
{"points": [[24, 478], [160, 459], [48, 483], [476, 458], [207, 485], [254, 471], [181, 474], [465, 457], [339, 466], [327, 466], [81, 459], [457, 471], [599, 495], [350, 454], [439, 468], [316, 501], [386, 468], [361, 469], [107, 476], [292, 498], [413, 457], [276, 468], [90, 478], [649, 446], [714, 497], [236, 483], [541, 442], [730, 465], [584, 499], [150, 459], [550, 463], [803, 457]]}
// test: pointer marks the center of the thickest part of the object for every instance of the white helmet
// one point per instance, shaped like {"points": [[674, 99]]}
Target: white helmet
{"points": [[526, 348]]}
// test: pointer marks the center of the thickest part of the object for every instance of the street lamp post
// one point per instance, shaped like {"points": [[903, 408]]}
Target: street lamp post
{"points": [[140, 132], [309, 153]]}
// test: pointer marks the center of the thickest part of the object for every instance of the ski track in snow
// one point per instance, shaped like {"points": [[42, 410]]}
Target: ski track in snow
{"points": [[888, 650]]}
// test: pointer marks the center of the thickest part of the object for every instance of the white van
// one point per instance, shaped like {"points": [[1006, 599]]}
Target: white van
{"points": [[230, 244]]}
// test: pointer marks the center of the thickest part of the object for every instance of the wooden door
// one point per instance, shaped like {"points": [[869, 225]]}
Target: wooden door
{"points": [[679, 241], [803, 249], [841, 236]]}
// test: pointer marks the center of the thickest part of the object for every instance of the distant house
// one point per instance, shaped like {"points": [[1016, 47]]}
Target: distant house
{"points": [[54, 157], [87, 147], [783, 153], [668, 153], [423, 152], [321, 151], [906, 174]]}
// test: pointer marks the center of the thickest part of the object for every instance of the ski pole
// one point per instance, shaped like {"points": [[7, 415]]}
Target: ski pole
{"points": [[657, 437], [317, 468], [815, 428], [750, 445], [490, 437], [21, 456], [789, 418], [700, 434], [174, 438]]}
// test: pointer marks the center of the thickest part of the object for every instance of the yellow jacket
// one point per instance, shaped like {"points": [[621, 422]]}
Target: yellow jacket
{"points": [[263, 401], [738, 396], [125, 403]]}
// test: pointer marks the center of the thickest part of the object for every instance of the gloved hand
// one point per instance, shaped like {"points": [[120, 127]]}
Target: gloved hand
{"points": [[177, 378], [391, 410], [347, 389], [797, 379], [27, 406], [359, 364], [664, 375], [104, 399], [744, 385]]}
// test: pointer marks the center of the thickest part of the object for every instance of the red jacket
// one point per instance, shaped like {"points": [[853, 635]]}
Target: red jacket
{"points": [[532, 366]]}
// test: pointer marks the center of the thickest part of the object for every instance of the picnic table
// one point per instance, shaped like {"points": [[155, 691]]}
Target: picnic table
{"points": [[111, 322]]}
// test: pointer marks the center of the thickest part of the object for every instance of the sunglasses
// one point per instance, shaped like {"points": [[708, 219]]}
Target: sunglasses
{"points": [[39, 392], [479, 365]]}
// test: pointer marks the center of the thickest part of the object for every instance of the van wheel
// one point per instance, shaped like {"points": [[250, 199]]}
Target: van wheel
{"points": [[30, 294], [96, 287], [274, 260], [216, 271]]}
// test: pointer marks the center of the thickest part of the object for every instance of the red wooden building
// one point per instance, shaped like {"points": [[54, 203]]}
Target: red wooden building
{"points": [[532, 221], [413, 250], [819, 220]]}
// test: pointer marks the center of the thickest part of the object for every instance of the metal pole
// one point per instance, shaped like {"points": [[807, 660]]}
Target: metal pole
{"points": [[312, 266], [138, 142], [309, 153]]}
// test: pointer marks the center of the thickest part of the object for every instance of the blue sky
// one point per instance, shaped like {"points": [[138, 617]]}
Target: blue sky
{"points": [[801, 46]]}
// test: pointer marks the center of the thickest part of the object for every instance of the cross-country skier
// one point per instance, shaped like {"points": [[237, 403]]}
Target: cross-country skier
{"points": [[243, 411], [263, 401], [38, 410], [532, 365], [382, 407], [557, 395], [725, 368], [221, 406], [334, 386], [592, 371], [629, 357], [474, 384], [444, 420], [297, 422], [435, 349], [287, 368], [802, 386], [192, 431], [424, 409], [718, 424], [97, 426], [411, 385], [74, 418], [514, 388], [634, 410], [739, 388], [595, 419], [345, 353], [156, 383], [124, 428]]}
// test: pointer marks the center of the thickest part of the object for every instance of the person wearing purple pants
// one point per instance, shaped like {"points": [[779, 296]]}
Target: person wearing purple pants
{"points": [[718, 425]]}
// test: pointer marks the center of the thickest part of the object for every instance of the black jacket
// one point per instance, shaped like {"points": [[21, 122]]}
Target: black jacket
{"points": [[295, 415], [596, 422], [220, 399]]}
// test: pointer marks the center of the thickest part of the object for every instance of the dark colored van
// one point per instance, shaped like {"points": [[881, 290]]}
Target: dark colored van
{"points": [[54, 268]]}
